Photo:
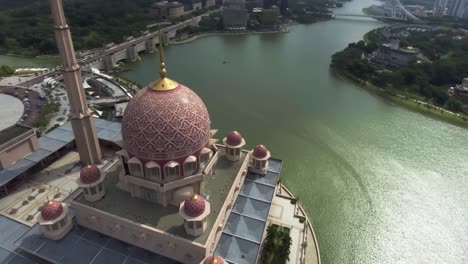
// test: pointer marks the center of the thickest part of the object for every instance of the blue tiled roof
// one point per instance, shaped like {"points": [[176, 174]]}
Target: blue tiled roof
{"points": [[243, 232], [9, 253], [85, 246], [55, 140]]}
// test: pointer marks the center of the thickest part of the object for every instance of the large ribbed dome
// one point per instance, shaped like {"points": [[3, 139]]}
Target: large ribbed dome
{"points": [[162, 125]]}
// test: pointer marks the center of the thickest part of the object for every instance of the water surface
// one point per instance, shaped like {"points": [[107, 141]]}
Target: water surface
{"points": [[381, 184]]}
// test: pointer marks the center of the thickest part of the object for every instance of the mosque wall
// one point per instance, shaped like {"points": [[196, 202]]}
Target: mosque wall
{"points": [[225, 210], [140, 235], [17, 148]]}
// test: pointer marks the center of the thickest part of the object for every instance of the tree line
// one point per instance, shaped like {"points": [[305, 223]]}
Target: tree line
{"points": [[27, 29], [429, 81]]}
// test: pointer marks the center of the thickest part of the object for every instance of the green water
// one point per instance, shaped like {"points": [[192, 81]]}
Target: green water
{"points": [[381, 184], [25, 62]]}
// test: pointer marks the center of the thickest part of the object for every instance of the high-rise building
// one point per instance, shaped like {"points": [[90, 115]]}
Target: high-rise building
{"points": [[284, 6], [235, 16], [465, 12], [456, 7], [439, 7], [268, 3]]}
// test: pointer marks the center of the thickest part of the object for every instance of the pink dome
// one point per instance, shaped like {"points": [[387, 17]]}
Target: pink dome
{"points": [[213, 260], [51, 210], [194, 206], [234, 138], [260, 152], [163, 125], [90, 174]]}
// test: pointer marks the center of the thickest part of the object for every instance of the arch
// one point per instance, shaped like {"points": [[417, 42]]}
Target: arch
{"points": [[205, 155], [135, 167], [190, 165], [172, 169], [153, 171]]}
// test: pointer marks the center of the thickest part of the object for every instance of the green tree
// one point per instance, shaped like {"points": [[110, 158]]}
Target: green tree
{"points": [[6, 71], [276, 246]]}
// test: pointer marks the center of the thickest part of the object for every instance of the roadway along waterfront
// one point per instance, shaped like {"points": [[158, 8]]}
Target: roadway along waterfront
{"points": [[382, 185]]}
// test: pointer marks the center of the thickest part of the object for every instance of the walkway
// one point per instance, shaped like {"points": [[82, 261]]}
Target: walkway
{"points": [[304, 248]]}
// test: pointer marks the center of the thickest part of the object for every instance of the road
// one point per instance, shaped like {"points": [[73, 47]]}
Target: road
{"points": [[116, 48]]}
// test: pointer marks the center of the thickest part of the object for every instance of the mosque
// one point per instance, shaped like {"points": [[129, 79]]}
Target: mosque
{"points": [[171, 191]]}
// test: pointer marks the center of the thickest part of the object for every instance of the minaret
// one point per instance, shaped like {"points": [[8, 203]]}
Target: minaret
{"points": [[81, 119]]}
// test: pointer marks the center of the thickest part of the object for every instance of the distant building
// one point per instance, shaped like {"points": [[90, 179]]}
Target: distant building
{"points": [[461, 91], [190, 5], [392, 56], [165, 9], [208, 3], [465, 12], [283, 7], [456, 8], [235, 16], [439, 7], [251, 4], [268, 3], [269, 18], [238, 5]]}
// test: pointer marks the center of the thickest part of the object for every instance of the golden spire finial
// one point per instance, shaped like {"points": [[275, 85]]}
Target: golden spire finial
{"points": [[162, 66], [163, 84]]}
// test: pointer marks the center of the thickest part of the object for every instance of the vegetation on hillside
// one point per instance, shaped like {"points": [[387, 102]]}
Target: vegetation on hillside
{"points": [[6, 71], [447, 50], [277, 245], [27, 29]]}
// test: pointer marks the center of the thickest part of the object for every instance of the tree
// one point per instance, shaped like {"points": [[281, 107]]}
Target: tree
{"points": [[276, 246], [455, 105], [6, 71]]}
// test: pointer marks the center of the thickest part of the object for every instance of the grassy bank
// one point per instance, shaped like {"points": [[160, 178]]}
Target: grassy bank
{"points": [[407, 102]]}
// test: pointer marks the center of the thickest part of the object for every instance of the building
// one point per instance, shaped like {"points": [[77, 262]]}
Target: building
{"points": [[461, 91], [392, 56], [165, 9], [191, 5], [456, 8], [163, 192], [16, 142], [235, 16], [208, 3], [251, 4], [283, 7], [439, 7], [268, 3]]}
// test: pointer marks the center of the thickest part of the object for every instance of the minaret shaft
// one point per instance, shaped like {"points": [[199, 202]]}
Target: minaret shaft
{"points": [[81, 119]]}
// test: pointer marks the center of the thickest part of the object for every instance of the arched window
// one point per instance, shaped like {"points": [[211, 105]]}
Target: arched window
{"points": [[135, 167], [190, 165], [124, 157], [153, 171], [205, 156], [172, 169]]}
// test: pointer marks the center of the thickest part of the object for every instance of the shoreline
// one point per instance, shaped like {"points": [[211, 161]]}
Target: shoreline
{"points": [[411, 104], [220, 33]]}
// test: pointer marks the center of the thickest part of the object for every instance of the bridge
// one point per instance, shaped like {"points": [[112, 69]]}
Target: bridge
{"points": [[110, 100], [398, 12], [129, 50], [344, 15]]}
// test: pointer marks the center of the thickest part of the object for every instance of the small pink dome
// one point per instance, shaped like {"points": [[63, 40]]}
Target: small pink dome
{"points": [[51, 210], [194, 206], [234, 138], [90, 174], [213, 260], [260, 152]]}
